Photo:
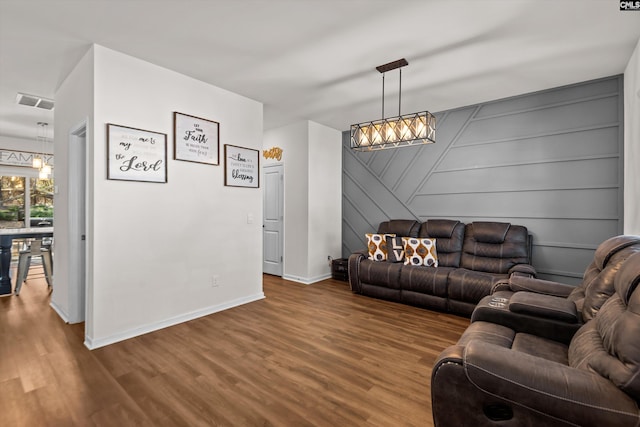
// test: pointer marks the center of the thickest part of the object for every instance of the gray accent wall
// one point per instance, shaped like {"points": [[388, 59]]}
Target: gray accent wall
{"points": [[551, 161]]}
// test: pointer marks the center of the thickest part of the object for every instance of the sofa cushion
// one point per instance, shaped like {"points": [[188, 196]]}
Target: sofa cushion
{"points": [[384, 274], [400, 227], [420, 251], [609, 343], [430, 281], [449, 235], [496, 253], [395, 249], [377, 246], [490, 232], [471, 286]]}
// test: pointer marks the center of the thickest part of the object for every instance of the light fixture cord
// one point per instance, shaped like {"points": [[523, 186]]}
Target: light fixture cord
{"points": [[400, 92], [383, 95]]}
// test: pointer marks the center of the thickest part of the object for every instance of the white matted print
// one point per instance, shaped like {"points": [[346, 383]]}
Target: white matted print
{"points": [[241, 167], [196, 139], [136, 154]]}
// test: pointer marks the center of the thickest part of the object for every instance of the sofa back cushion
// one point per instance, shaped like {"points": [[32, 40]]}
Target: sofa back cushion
{"points": [[449, 235], [598, 280], [609, 344], [400, 227], [494, 247]]}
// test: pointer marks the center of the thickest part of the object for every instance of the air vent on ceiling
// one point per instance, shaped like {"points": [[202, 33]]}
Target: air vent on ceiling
{"points": [[34, 101]]}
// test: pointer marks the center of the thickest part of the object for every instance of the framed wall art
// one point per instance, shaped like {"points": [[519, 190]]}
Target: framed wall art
{"points": [[136, 154], [241, 167], [196, 139]]}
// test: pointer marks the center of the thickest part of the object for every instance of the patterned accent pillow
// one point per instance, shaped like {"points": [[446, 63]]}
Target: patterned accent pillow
{"points": [[420, 252], [377, 245], [395, 249]]}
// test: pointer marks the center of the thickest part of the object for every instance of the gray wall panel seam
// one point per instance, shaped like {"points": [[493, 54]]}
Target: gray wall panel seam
{"points": [[541, 135], [443, 154], [547, 106]]}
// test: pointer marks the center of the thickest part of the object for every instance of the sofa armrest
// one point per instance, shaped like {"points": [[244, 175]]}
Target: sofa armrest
{"points": [[577, 396], [541, 305], [519, 283], [526, 270], [354, 268]]}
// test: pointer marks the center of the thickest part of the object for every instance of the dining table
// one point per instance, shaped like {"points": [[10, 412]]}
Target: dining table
{"points": [[6, 240]]}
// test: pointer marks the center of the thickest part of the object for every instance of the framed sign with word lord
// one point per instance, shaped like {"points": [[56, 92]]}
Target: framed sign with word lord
{"points": [[136, 154], [195, 139], [241, 167]]}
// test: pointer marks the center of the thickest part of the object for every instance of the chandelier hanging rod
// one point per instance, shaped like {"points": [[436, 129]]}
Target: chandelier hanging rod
{"points": [[393, 65]]}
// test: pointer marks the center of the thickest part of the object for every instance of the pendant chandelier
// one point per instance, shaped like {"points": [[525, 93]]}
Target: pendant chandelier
{"points": [[40, 163], [394, 132]]}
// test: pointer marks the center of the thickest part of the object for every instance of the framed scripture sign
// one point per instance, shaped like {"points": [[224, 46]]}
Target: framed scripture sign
{"points": [[241, 167], [196, 139], [136, 154]]}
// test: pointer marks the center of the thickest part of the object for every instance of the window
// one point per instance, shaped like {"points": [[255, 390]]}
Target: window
{"points": [[41, 206], [25, 202]]}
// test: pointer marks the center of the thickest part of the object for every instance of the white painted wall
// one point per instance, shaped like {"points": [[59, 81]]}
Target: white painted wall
{"points": [[293, 141], [156, 247], [312, 197], [325, 199], [632, 144], [74, 104]]}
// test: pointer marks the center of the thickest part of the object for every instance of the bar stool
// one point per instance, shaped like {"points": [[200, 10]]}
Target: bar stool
{"points": [[34, 249]]}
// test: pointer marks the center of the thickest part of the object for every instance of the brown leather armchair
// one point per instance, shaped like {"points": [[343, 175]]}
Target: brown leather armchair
{"points": [[495, 375], [556, 310]]}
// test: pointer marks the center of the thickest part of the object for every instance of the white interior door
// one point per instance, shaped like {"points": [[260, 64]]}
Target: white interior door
{"points": [[273, 220]]}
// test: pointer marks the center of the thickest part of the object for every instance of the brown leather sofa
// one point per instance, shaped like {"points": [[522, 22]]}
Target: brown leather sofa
{"points": [[556, 310], [495, 375], [472, 258]]}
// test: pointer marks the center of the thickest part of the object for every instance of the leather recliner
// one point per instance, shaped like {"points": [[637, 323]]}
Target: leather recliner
{"points": [[497, 376], [556, 310]]}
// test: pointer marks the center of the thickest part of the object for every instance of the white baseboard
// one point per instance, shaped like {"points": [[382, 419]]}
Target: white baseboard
{"points": [[92, 344], [60, 311], [307, 280]]}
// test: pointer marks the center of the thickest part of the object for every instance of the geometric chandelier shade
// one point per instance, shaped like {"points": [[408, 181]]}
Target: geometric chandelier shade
{"points": [[394, 132]]}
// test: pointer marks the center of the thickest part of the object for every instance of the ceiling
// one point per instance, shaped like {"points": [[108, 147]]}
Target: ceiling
{"points": [[315, 59]]}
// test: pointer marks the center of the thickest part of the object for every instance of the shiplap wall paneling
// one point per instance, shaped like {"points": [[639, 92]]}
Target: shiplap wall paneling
{"points": [[551, 161]]}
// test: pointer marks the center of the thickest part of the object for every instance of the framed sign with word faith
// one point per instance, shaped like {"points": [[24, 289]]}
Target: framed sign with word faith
{"points": [[196, 139], [241, 167], [136, 154]]}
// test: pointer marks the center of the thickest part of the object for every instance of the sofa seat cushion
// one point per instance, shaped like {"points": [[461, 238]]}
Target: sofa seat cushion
{"points": [[505, 337], [383, 274], [541, 347], [471, 286], [488, 332], [426, 280]]}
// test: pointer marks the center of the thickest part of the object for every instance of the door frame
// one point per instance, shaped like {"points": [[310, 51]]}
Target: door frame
{"points": [[78, 201], [281, 208]]}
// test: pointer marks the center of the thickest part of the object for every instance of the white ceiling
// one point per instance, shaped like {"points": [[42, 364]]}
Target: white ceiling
{"points": [[316, 59]]}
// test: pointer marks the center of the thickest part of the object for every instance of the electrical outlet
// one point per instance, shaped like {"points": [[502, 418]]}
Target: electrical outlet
{"points": [[214, 281]]}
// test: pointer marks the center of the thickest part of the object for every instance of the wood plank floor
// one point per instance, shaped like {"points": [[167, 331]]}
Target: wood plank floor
{"points": [[307, 355]]}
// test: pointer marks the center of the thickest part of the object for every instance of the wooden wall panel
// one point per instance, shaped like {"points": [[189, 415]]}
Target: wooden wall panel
{"points": [[550, 160]]}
